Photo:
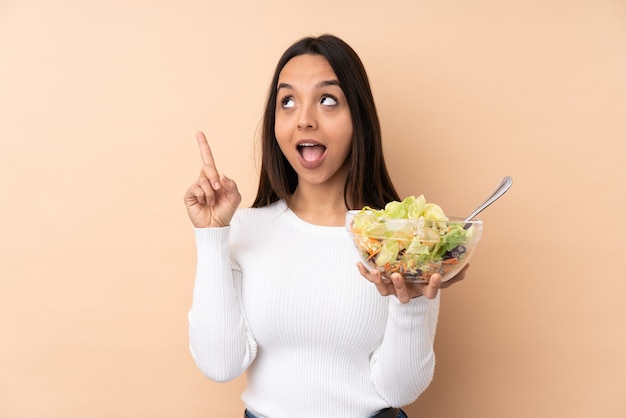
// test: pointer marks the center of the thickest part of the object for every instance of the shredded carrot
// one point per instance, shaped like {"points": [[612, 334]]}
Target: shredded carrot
{"points": [[394, 269], [374, 252]]}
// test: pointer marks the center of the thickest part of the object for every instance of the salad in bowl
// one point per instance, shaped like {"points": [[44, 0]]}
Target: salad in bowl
{"points": [[414, 238]]}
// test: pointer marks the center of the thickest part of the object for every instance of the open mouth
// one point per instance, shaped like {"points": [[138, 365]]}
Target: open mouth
{"points": [[310, 151]]}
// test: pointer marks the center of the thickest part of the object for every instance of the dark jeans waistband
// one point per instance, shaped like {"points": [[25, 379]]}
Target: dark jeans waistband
{"points": [[385, 413]]}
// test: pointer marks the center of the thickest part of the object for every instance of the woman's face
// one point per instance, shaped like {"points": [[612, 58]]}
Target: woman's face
{"points": [[313, 124]]}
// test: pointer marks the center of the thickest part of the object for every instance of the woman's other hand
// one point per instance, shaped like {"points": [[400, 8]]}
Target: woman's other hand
{"points": [[405, 291], [213, 199]]}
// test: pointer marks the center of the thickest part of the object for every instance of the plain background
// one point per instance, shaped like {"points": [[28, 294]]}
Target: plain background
{"points": [[99, 103]]}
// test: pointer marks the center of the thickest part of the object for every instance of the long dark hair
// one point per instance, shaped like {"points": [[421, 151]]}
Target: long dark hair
{"points": [[368, 182]]}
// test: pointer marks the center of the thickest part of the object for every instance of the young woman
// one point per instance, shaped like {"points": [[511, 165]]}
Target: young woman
{"points": [[279, 292]]}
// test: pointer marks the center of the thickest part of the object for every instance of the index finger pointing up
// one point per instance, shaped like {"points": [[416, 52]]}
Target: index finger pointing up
{"points": [[205, 150]]}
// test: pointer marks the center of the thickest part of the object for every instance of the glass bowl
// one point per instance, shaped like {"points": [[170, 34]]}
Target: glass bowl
{"points": [[415, 248]]}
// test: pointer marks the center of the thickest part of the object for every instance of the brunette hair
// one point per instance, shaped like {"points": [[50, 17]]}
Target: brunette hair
{"points": [[368, 182]]}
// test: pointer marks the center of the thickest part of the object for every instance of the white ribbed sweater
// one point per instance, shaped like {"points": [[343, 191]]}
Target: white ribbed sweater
{"points": [[283, 300]]}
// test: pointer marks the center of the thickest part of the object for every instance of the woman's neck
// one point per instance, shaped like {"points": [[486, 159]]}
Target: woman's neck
{"points": [[319, 205]]}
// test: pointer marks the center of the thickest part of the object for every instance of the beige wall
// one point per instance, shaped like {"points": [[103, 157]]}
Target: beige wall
{"points": [[99, 102]]}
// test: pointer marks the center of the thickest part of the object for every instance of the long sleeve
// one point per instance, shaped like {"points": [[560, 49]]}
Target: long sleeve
{"points": [[403, 366], [220, 341]]}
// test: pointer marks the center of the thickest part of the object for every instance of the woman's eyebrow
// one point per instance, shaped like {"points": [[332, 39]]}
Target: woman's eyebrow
{"points": [[328, 83], [321, 84]]}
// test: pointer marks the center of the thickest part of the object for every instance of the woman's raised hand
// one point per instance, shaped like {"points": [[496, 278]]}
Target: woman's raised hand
{"points": [[213, 199]]}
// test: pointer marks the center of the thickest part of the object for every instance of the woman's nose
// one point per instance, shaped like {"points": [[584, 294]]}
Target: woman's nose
{"points": [[306, 118]]}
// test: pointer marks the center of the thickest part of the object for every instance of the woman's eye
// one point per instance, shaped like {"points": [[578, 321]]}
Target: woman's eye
{"points": [[328, 101], [287, 103]]}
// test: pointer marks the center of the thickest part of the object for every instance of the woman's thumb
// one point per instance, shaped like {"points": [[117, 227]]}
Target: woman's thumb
{"points": [[227, 182], [230, 187]]}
